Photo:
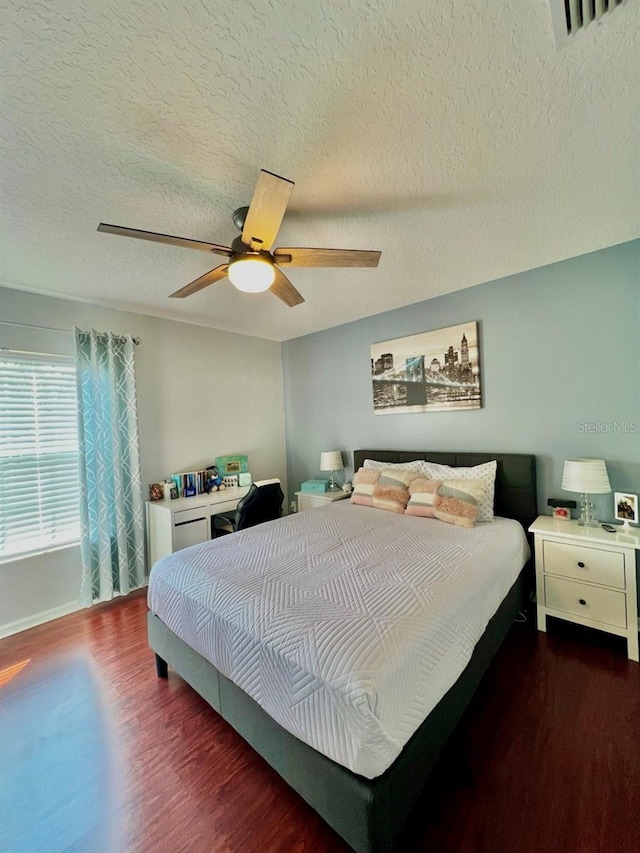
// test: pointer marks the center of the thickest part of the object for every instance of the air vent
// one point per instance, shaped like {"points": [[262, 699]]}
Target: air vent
{"points": [[570, 17]]}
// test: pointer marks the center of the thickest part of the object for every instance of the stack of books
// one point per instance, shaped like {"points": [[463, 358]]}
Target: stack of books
{"points": [[189, 483]]}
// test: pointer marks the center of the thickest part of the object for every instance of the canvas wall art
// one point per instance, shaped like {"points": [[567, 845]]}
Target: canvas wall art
{"points": [[429, 372]]}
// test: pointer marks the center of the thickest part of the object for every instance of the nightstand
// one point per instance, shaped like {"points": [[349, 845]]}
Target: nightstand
{"points": [[312, 500], [588, 576]]}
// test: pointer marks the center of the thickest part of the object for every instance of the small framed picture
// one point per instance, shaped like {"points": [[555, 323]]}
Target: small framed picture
{"points": [[562, 513], [156, 492], [626, 507]]}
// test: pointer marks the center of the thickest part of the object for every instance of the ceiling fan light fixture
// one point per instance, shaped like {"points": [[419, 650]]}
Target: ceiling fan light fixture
{"points": [[252, 267], [251, 274]]}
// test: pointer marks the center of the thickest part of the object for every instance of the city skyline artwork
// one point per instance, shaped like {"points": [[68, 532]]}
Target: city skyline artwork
{"points": [[428, 372]]}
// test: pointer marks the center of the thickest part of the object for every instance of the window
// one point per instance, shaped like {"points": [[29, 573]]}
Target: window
{"points": [[39, 484]]}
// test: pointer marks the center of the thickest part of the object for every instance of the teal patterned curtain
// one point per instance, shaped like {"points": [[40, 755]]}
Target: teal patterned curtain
{"points": [[111, 504]]}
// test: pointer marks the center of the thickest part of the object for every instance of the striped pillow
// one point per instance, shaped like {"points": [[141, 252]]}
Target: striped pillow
{"points": [[485, 472], [457, 501], [382, 489], [363, 483], [422, 495]]}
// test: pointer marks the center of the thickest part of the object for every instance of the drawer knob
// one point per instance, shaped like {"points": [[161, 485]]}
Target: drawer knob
{"points": [[582, 602], [581, 565]]}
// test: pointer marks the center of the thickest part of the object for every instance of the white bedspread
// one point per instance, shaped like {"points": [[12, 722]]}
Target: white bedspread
{"points": [[346, 624]]}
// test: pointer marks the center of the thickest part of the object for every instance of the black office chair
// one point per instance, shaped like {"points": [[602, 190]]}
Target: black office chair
{"points": [[263, 502]]}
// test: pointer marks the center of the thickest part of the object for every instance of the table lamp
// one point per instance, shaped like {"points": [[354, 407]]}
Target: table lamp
{"points": [[588, 476], [331, 460]]}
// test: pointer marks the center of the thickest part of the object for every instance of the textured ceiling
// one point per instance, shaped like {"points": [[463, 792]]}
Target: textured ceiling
{"points": [[452, 136]]}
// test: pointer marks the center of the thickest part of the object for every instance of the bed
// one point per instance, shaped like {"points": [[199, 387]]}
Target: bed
{"points": [[363, 787]]}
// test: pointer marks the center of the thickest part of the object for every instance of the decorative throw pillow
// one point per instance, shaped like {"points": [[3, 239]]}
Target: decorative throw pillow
{"points": [[485, 473], [416, 465], [363, 483], [387, 489], [422, 494], [457, 501], [391, 492]]}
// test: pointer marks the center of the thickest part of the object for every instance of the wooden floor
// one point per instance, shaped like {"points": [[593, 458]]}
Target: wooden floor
{"points": [[546, 759]]}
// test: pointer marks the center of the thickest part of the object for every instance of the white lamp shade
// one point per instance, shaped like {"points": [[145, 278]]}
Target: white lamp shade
{"points": [[585, 475], [331, 460], [251, 274]]}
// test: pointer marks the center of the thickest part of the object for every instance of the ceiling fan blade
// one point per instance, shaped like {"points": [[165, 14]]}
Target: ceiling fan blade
{"points": [[326, 258], [184, 242], [283, 289], [266, 211], [200, 283]]}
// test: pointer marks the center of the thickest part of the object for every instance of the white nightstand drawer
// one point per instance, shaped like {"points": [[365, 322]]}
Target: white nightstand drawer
{"points": [[589, 602], [584, 564]]}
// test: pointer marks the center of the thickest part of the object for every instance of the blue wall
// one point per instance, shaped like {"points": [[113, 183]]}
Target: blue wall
{"points": [[559, 349]]}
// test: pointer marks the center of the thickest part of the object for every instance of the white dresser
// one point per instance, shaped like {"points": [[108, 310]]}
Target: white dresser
{"points": [[588, 576]]}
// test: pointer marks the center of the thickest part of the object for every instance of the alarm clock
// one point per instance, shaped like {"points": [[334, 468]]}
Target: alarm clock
{"points": [[562, 513]]}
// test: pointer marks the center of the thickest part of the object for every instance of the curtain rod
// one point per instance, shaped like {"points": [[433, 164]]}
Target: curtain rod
{"points": [[136, 341]]}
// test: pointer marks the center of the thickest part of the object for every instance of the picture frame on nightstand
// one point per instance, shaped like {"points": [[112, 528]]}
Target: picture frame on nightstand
{"points": [[625, 508]]}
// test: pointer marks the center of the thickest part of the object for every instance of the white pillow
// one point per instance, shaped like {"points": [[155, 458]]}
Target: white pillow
{"points": [[403, 466], [486, 473]]}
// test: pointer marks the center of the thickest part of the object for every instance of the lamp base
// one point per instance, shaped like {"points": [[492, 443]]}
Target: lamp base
{"points": [[587, 518], [333, 486]]}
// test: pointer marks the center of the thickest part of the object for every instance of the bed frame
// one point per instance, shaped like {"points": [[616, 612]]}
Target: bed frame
{"points": [[367, 813]]}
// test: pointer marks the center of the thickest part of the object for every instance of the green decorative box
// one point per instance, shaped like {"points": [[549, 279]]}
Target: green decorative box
{"points": [[315, 486], [228, 465]]}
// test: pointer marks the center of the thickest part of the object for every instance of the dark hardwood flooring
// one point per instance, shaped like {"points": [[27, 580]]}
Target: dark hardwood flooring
{"points": [[547, 758]]}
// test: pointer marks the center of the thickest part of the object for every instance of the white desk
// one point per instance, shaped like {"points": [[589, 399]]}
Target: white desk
{"points": [[172, 525]]}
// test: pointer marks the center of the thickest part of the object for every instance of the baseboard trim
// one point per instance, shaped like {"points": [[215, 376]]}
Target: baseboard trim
{"points": [[38, 619]]}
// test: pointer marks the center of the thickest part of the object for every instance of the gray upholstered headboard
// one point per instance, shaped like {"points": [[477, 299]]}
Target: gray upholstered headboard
{"points": [[515, 495]]}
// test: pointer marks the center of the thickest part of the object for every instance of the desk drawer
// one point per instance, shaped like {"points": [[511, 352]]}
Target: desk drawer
{"points": [[224, 507], [184, 516], [191, 533], [584, 564], [590, 602]]}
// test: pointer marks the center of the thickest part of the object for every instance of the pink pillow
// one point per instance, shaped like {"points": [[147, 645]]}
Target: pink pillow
{"points": [[363, 483], [458, 501], [422, 495], [382, 489]]}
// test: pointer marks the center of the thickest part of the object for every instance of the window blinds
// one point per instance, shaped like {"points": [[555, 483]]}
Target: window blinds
{"points": [[39, 483]]}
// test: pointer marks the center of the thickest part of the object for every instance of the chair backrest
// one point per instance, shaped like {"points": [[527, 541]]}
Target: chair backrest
{"points": [[263, 502]]}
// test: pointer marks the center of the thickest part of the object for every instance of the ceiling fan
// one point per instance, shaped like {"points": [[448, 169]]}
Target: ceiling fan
{"points": [[252, 266]]}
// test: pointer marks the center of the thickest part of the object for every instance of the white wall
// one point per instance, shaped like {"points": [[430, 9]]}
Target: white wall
{"points": [[201, 393]]}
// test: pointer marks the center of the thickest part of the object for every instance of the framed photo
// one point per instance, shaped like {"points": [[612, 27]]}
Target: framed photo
{"points": [[429, 372], [156, 492], [561, 513], [626, 507]]}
